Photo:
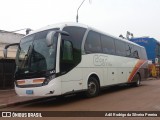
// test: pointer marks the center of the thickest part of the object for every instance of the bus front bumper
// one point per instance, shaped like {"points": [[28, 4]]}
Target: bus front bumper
{"points": [[52, 89]]}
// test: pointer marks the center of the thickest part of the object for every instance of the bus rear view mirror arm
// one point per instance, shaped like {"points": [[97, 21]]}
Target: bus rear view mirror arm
{"points": [[51, 36], [6, 47], [62, 32]]}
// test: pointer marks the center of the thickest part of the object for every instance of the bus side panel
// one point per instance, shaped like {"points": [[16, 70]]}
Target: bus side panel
{"points": [[110, 76], [90, 65], [110, 69], [119, 69], [121, 75], [87, 72], [140, 67], [72, 81]]}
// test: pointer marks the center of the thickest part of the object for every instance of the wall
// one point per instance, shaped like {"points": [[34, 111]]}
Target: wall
{"points": [[7, 66], [7, 38]]}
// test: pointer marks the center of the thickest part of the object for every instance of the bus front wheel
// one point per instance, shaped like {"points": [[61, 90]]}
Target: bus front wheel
{"points": [[93, 87]]}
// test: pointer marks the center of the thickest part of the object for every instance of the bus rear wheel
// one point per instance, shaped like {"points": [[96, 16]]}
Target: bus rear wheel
{"points": [[138, 80], [93, 87]]}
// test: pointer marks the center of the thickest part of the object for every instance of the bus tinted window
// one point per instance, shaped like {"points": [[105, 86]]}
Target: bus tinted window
{"points": [[93, 43], [129, 49], [71, 48], [143, 54], [120, 48], [108, 44], [132, 51], [138, 52], [76, 35]]}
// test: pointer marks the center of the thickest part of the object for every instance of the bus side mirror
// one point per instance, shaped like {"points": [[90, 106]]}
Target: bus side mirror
{"points": [[6, 47], [50, 38], [5, 53]]}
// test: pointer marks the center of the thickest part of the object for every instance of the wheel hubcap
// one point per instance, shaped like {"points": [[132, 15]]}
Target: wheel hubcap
{"points": [[92, 88], [138, 82]]}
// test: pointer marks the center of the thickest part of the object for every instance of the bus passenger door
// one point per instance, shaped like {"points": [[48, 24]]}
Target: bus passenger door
{"points": [[71, 76], [72, 81]]}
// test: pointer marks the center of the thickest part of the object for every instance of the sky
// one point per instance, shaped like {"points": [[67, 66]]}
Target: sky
{"points": [[115, 17]]}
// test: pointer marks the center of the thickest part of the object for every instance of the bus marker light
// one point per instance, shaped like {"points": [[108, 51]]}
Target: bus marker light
{"points": [[39, 81], [20, 82]]}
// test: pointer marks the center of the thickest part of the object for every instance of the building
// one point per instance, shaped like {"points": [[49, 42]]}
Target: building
{"points": [[7, 66], [7, 38], [152, 47]]}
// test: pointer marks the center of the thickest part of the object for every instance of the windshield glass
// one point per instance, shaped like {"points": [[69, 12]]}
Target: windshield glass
{"points": [[34, 55]]}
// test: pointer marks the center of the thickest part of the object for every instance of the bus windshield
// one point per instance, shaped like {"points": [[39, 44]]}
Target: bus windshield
{"points": [[34, 55]]}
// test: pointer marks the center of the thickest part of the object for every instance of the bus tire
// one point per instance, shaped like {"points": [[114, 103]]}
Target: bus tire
{"points": [[138, 80], [93, 87]]}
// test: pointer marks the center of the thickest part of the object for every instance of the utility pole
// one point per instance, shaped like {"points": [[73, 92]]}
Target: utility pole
{"points": [[78, 10]]}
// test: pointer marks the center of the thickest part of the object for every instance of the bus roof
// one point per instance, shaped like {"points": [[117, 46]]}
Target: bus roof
{"points": [[61, 25]]}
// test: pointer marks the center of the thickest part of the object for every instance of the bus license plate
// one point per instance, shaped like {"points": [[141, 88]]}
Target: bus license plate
{"points": [[29, 92]]}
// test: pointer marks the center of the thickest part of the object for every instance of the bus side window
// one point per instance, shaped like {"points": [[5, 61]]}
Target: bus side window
{"points": [[120, 48], [93, 43], [143, 54], [108, 45], [129, 49], [135, 54]]}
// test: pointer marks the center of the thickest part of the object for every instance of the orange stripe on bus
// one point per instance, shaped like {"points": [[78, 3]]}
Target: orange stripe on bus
{"points": [[135, 69]]}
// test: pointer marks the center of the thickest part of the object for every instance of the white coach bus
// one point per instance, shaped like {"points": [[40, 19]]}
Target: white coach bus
{"points": [[70, 57]]}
